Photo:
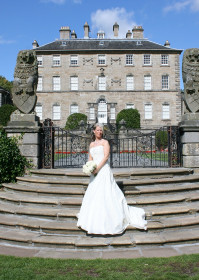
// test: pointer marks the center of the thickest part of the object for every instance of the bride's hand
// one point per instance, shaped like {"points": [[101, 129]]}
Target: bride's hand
{"points": [[95, 171]]}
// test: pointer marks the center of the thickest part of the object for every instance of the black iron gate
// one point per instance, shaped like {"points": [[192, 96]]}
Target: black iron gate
{"points": [[159, 148]]}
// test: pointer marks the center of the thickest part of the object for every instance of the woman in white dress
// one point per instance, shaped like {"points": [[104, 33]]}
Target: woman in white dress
{"points": [[104, 208]]}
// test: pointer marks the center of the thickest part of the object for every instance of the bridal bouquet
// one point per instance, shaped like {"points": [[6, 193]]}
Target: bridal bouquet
{"points": [[89, 167]]}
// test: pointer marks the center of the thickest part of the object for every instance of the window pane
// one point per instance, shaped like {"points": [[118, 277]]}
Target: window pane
{"points": [[56, 83], [101, 59], [148, 111], [112, 113], [40, 84], [164, 59], [74, 60], [102, 83], [56, 60], [74, 83], [92, 113], [38, 111], [74, 109], [129, 59], [165, 82], [39, 60], [147, 59], [147, 82], [130, 83], [130, 106], [165, 111], [56, 112]]}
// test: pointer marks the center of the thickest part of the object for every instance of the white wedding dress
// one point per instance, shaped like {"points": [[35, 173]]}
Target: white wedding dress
{"points": [[104, 208]]}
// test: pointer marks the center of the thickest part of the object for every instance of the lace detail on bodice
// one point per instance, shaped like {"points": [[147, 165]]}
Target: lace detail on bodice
{"points": [[97, 153]]}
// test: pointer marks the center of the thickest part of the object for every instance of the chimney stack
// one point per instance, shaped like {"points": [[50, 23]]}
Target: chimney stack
{"points": [[73, 35], [64, 32], [115, 30], [167, 44], [128, 34], [137, 32], [35, 44], [86, 30]]}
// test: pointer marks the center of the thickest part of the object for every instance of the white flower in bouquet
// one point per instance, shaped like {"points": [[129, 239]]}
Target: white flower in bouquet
{"points": [[89, 167]]}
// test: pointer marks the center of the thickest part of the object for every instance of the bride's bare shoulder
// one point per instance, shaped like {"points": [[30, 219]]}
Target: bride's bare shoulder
{"points": [[91, 145], [105, 142]]}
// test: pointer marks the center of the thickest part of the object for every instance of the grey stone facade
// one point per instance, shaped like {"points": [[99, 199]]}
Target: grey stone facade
{"points": [[100, 77]]}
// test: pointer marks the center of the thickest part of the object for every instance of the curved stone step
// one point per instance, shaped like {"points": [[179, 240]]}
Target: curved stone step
{"points": [[132, 173], [71, 213], [59, 201], [37, 239], [70, 227], [44, 190]]}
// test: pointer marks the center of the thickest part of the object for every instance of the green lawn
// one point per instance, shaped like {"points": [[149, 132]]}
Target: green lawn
{"points": [[182, 267]]}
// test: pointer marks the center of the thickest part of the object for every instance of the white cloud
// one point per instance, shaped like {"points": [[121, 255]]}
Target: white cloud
{"points": [[178, 6], [3, 41], [105, 19]]}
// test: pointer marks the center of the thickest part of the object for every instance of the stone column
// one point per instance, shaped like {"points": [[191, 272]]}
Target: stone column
{"points": [[190, 140], [28, 128]]}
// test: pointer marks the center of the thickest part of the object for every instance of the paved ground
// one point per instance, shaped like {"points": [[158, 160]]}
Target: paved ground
{"points": [[166, 251]]}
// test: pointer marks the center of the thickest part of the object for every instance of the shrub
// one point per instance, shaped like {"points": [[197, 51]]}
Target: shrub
{"points": [[74, 119], [5, 112], [130, 116], [12, 163], [161, 140]]}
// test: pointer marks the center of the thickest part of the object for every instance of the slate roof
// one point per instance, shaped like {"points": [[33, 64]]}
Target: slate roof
{"points": [[72, 45]]}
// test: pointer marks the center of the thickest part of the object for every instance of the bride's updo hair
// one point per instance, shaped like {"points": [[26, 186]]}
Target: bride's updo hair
{"points": [[94, 127]]}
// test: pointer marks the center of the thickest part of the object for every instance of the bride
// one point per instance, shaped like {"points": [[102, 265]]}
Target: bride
{"points": [[104, 208]]}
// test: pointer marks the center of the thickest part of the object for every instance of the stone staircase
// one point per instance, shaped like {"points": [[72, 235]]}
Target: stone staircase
{"points": [[40, 210]]}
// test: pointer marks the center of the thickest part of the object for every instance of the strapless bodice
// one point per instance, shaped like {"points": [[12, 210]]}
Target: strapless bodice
{"points": [[97, 153]]}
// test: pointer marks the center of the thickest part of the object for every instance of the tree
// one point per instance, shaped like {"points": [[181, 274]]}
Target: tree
{"points": [[74, 119], [130, 116], [5, 112], [5, 84], [161, 140]]}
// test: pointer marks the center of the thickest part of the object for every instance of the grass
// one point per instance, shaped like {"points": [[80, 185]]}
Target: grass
{"points": [[181, 267]]}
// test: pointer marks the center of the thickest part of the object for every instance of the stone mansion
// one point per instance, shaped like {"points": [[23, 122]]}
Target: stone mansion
{"points": [[100, 77]]}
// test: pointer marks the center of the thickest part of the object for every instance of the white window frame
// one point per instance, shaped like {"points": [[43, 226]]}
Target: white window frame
{"points": [[40, 61], [56, 83], [147, 82], [91, 113], [56, 112], [129, 59], [164, 59], [129, 82], [148, 113], [101, 59], [130, 106], [74, 108], [74, 60], [165, 82], [39, 111], [40, 83], [56, 60], [165, 111], [74, 83], [112, 113], [147, 59], [102, 83]]}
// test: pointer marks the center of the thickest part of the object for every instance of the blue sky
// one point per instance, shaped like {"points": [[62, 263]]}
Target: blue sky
{"points": [[23, 21]]}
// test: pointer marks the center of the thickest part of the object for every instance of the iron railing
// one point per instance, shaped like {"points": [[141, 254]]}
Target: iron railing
{"points": [[157, 148]]}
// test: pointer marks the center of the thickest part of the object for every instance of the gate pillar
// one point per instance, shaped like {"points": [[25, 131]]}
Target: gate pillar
{"points": [[28, 128], [189, 127]]}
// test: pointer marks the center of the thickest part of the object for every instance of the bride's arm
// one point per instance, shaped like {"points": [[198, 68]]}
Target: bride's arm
{"points": [[90, 157], [105, 158]]}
